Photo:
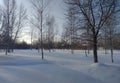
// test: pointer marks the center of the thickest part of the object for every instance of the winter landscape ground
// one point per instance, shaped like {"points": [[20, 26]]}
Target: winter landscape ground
{"points": [[26, 66]]}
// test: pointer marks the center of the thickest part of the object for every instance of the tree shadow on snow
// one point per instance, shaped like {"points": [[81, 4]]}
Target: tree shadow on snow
{"points": [[22, 61]]}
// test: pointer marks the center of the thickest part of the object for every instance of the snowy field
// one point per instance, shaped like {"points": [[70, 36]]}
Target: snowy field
{"points": [[26, 66]]}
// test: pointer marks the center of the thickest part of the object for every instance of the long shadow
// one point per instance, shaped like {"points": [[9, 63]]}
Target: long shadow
{"points": [[18, 61]]}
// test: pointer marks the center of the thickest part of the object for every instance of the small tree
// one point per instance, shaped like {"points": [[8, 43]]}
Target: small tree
{"points": [[71, 26], [39, 7], [110, 30], [50, 22]]}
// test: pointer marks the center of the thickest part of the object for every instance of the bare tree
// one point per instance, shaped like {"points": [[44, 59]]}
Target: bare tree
{"points": [[20, 21], [86, 38], [13, 20], [71, 26], [65, 38], [96, 13], [9, 14], [40, 7], [50, 22], [105, 40], [32, 34], [1, 17], [110, 30]]}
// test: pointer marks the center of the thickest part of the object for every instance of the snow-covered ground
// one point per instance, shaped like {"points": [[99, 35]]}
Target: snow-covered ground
{"points": [[26, 66]]}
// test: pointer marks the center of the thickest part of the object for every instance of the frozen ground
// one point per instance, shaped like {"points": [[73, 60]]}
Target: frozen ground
{"points": [[26, 66]]}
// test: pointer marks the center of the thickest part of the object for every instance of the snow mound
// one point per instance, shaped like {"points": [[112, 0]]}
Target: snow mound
{"points": [[104, 72]]}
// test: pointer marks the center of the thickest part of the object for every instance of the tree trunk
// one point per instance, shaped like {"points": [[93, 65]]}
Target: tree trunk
{"points": [[42, 31], [72, 51], [112, 55], [42, 46], [111, 48], [12, 47], [95, 49], [42, 53], [41, 42], [88, 50], [6, 51], [86, 53], [105, 46]]}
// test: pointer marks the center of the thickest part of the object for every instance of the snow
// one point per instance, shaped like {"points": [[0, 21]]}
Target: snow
{"points": [[26, 66], [105, 72]]}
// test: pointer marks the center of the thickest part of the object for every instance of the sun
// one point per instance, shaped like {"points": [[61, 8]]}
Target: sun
{"points": [[26, 39]]}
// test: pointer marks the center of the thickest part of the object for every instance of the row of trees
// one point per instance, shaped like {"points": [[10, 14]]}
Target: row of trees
{"points": [[45, 24], [12, 19], [89, 24], [91, 21]]}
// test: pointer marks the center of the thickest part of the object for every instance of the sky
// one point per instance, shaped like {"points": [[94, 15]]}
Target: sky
{"points": [[55, 8]]}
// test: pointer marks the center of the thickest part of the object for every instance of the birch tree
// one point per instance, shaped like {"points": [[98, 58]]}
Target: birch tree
{"points": [[39, 7]]}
